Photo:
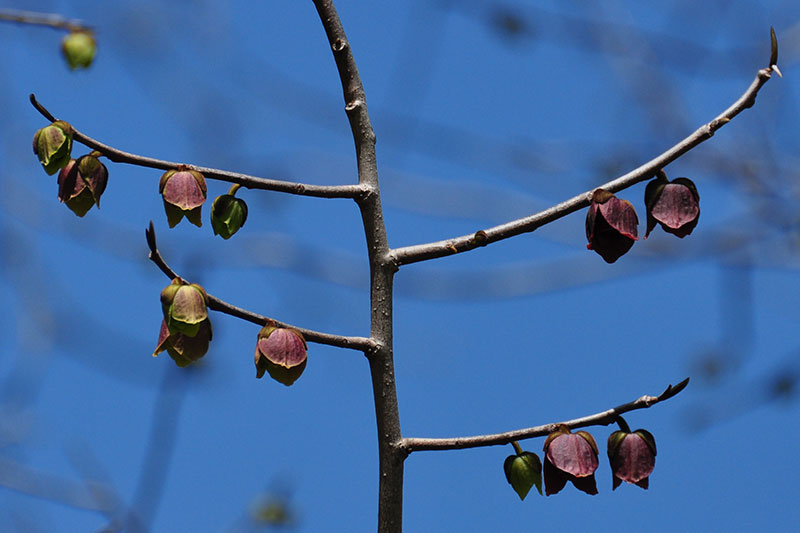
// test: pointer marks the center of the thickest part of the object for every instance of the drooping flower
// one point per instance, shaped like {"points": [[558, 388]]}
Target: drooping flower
{"points": [[282, 353], [81, 183], [523, 470], [675, 205], [611, 225], [570, 457], [228, 214], [184, 192], [53, 146], [184, 349], [632, 457], [184, 307]]}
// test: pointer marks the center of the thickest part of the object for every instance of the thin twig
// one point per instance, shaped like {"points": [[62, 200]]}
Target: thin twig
{"points": [[49, 20], [215, 304], [433, 250], [251, 182], [599, 419]]}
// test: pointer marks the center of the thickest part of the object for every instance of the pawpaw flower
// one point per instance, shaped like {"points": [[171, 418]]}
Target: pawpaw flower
{"points": [[184, 192], [282, 353], [673, 204], [632, 457], [570, 457], [611, 225]]}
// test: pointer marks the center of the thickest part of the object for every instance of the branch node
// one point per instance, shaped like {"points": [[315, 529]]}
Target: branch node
{"points": [[481, 238]]}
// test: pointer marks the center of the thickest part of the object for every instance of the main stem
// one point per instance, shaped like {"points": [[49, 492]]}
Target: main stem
{"points": [[391, 451]]}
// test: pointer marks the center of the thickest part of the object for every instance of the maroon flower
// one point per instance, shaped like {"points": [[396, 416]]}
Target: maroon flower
{"points": [[610, 225], [632, 457], [81, 183], [282, 353], [184, 349], [570, 457], [184, 192], [673, 204]]}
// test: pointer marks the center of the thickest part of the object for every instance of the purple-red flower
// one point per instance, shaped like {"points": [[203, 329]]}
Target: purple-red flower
{"points": [[570, 457], [184, 192], [81, 183], [184, 349], [673, 204], [611, 225], [632, 457], [282, 353]]}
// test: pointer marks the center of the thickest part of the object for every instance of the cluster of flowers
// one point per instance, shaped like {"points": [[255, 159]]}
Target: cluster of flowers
{"points": [[82, 181], [186, 333], [611, 223], [573, 457]]}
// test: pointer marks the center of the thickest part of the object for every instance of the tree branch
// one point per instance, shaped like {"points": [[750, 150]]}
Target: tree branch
{"points": [[42, 19], [247, 181], [382, 270], [434, 250], [599, 419], [215, 304]]}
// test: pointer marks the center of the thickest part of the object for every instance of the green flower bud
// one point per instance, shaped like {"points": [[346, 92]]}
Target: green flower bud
{"points": [[53, 146], [282, 353], [184, 307], [228, 214], [79, 48], [523, 471], [184, 192]]}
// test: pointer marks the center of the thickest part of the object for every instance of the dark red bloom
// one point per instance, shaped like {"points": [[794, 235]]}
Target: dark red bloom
{"points": [[673, 204], [81, 183], [184, 349], [184, 192], [611, 225], [282, 353], [570, 457], [632, 457]]}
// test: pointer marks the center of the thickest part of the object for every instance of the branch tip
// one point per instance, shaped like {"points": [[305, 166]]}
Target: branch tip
{"points": [[150, 236], [671, 391]]}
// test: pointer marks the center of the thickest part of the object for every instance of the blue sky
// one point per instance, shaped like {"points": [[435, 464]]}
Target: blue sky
{"points": [[475, 126]]}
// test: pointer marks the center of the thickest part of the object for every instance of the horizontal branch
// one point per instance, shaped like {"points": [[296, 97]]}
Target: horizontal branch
{"points": [[599, 419], [49, 20], [245, 180], [215, 304], [423, 252]]}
